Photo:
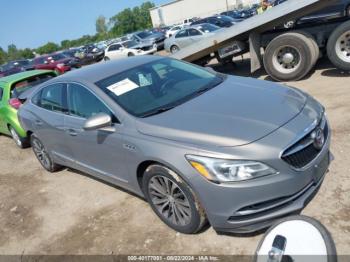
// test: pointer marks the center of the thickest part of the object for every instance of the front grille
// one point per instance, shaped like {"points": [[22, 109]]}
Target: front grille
{"points": [[308, 152]]}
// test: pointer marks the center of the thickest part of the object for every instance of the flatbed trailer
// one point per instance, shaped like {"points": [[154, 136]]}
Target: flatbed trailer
{"points": [[288, 53]]}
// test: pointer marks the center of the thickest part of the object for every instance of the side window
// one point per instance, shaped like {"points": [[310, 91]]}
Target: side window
{"points": [[194, 32], [114, 47], [83, 103], [182, 33], [52, 98]]}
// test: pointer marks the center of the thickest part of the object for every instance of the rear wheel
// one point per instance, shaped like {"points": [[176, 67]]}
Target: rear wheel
{"points": [[43, 156], [173, 200], [174, 49], [338, 46], [289, 57], [20, 142], [131, 54]]}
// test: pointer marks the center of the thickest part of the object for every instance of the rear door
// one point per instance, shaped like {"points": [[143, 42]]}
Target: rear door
{"points": [[182, 38], [3, 104], [115, 51], [195, 35], [50, 106]]}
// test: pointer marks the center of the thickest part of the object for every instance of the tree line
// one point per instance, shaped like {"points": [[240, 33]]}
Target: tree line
{"points": [[127, 21]]}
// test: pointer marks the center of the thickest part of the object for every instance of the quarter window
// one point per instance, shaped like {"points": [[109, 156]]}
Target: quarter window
{"points": [[52, 98], [82, 103]]}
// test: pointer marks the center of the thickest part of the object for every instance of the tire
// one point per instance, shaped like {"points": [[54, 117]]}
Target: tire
{"points": [[106, 58], [314, 47], [338, 49], [19, 141], [131, 54], [298, 51], [174, 49], [43, 156], [188, 217]]}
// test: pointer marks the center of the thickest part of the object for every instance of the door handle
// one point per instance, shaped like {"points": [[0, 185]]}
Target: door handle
{"points": [[72, 132], [38, 123]]}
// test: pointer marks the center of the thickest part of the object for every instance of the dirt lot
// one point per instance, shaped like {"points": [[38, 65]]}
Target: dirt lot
{"points": [[70, 213]]}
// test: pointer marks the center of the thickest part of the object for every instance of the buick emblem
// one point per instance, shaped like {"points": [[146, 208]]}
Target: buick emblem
{"points": [[318, 137]]}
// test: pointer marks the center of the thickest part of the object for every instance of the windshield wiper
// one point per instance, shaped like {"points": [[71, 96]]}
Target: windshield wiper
{"points": [[157, 111]]}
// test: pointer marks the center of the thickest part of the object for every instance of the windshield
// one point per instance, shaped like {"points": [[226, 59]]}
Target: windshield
{"points": [[20, 87], [58, 57], [207, 28], [130, 43], [144, 34], [158, 86], [21, 62], [225, 18]]}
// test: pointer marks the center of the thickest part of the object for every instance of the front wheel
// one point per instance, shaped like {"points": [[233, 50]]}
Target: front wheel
{"points": [[173, 200], [43, 156], [106, 58], [174, 49], [20, 142]]}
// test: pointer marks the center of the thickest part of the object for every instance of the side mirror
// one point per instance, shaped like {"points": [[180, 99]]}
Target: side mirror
{"points": [[99, 121]]}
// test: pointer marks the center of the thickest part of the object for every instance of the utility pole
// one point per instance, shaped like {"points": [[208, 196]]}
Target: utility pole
{"points": [[226, 5]]}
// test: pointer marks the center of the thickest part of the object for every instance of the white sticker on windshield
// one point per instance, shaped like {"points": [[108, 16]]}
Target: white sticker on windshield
{"points": [[122, 87]]}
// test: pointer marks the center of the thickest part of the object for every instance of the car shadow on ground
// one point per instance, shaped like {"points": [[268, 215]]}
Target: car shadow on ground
{"points": [[241, 67], [77, 172]]}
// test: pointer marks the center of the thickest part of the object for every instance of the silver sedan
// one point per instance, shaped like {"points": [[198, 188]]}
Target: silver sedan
{"points": [[188, 36]]}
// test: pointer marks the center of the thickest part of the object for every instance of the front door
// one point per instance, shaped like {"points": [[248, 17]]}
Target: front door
{"points": [[97, 152]]}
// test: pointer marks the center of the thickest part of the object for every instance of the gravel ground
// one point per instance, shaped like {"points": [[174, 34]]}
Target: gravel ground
{"points": [[71, 213]]}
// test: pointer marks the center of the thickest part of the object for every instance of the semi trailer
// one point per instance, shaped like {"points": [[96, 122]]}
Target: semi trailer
{"points": [[287, 54]]}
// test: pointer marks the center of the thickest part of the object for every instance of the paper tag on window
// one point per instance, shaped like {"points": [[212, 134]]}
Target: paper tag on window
{"points": [[122, 87], [145, 80]]}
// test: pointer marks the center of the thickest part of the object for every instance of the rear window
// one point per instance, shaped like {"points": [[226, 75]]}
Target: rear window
{"points": [[20, 87]]}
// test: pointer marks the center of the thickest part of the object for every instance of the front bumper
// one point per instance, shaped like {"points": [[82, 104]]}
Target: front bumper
{"points": [[252, 205]]}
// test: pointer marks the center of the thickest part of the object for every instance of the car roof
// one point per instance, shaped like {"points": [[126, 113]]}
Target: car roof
{"points": [[102, 70], [23, 75]]}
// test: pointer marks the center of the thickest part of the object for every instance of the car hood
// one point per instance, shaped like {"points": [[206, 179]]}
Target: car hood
{"points": [[237, 112]]}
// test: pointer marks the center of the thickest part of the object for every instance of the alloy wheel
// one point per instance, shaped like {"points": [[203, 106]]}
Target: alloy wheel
{"points": [[41, 153], [170, 201]]}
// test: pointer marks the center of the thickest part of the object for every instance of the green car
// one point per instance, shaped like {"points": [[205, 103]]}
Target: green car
{"points": [[11, 87]]}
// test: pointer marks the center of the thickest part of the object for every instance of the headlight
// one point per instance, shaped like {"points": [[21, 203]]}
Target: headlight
{"points": [[222, 170]]}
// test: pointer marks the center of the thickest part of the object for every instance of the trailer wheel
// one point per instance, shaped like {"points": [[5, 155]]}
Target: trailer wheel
{"points": [[289, 56], [314, 47], [338, 46]]}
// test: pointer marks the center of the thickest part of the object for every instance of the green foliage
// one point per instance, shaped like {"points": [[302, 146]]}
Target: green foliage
{"points": [[131, 20], [48, 48], [127, 21]]}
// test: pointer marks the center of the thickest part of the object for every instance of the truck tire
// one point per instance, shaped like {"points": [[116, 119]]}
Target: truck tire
{"points": [[338, 46], [289, 57], [314, 46]]}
